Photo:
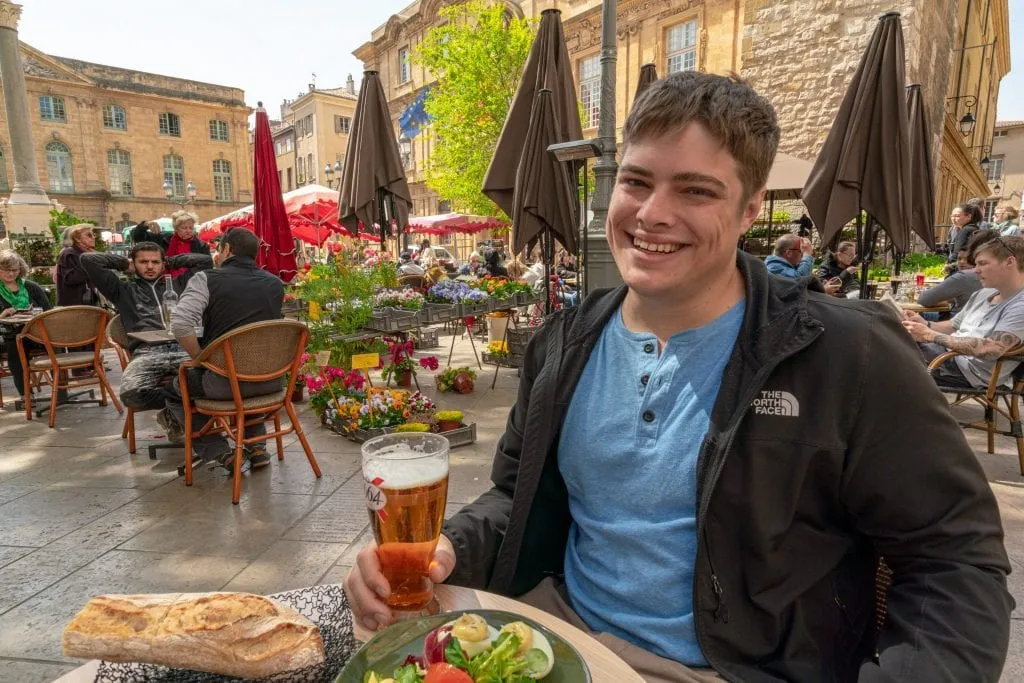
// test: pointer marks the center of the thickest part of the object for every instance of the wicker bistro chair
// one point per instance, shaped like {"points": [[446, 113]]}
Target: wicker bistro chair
{"points": [[990, 397], [257, 352], [57, 329]]}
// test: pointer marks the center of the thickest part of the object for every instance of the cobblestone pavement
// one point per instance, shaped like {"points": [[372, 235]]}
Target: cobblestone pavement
{"points": [[81, 516]]}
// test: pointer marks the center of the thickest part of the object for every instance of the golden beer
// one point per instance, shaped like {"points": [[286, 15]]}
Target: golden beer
{"points": [[406, 487]]}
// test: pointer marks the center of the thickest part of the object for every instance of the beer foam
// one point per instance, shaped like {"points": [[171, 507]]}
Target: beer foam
{"points": [[399, 473]]}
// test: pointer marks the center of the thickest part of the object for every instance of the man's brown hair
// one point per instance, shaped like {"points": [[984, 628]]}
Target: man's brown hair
{"points": [[731, 111], [1003, 248]]}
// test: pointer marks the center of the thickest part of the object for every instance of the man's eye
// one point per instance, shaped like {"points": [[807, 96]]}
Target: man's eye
{"points": [[700, 192]]}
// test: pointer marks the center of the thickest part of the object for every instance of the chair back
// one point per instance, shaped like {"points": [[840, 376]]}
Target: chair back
{"points": [[68, 326], [116, 332], [257, 352], [414, 281]]}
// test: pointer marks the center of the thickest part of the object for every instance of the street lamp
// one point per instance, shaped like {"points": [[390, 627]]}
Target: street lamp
{"points": [[967, 121], [330, 172], [190, 193]]}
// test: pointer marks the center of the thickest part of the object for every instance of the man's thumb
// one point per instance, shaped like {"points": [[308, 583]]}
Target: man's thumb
{"points": [[443, 563]]}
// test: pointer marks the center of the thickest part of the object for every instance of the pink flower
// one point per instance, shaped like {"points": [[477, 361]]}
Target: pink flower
{"points": [[429, 362]]}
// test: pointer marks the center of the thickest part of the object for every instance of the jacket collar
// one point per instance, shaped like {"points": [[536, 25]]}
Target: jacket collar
{"points": [[239, 262]]}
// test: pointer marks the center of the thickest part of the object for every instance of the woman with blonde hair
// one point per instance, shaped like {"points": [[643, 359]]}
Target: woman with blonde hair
{"points": [[17, 294], [73, 288], [183, 241], [1006, 221]]}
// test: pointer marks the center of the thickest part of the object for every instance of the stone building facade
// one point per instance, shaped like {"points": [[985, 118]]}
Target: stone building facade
{"points": [[108, 138], [312, 134], [800, 54], [1006, 165]]}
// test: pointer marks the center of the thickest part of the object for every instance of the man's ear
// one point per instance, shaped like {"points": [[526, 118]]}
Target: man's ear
{"points": [[751, 209]]}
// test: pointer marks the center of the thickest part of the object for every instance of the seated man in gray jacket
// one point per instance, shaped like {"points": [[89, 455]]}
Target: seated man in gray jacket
{"points": [[138, 299]]}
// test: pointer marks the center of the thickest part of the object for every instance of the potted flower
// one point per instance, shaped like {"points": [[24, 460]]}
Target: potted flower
{"points": [[456, 379], [413, 427], [448, 420], [401, 366]]}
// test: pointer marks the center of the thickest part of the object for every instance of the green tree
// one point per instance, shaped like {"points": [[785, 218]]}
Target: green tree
{"points": [[477, 57]]}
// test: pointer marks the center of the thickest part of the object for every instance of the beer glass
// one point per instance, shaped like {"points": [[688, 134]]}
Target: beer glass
{"points": [[405, 479]]}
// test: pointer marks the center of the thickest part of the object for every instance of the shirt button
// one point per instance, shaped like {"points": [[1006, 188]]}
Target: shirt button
{"points": [[644, 379], [648, 416], [648, 348]]}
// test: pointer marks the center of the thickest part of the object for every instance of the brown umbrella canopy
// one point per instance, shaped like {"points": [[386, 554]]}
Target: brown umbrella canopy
{"points": [[537, 207], [373, 177], [547, 67], [864, 163], [648, 74], [922, 184]]}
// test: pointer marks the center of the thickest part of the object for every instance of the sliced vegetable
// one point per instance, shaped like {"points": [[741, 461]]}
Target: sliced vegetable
{"points": [[410, 673], [446, 673], [435, 644], [536, 662]]}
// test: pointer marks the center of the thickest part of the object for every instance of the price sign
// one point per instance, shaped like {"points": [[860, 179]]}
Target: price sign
{"points": [[365, 361], [323, 358]]}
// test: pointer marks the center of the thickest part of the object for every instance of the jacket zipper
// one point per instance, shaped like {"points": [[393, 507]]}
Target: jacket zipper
{"points": [[721, 608]]}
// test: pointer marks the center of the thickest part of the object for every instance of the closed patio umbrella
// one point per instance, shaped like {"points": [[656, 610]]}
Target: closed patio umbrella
{"points": [[373, 188], [922, 177], [547, 67], [270, 222], [865, 161]]}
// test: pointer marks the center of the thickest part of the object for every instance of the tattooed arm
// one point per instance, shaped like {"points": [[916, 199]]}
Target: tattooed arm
{"points": [[989, 347]]}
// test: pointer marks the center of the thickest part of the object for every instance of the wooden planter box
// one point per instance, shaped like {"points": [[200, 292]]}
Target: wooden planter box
{"points": [[474, 309], [438, 313], [393, 320], [517, 339], [426, 338], [503, 304], [463, 436], [527, 299]]}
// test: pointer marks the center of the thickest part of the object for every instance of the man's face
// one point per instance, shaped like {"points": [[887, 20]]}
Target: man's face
{"points": [[992, 272], [792, 254], [185, 230], [86, 239], [677, 212], [223, 253], [1000, 215], [961, 260], [846, 258], [149, 265]]}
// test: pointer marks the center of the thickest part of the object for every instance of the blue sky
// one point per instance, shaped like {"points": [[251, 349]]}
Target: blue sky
{"points": [[271, 48]]}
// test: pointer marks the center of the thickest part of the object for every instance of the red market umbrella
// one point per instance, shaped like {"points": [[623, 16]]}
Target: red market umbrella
{"points": [[270, 222]]}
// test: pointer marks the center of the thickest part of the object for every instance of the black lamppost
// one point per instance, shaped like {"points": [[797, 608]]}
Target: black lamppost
{"points": [[967, 122]]}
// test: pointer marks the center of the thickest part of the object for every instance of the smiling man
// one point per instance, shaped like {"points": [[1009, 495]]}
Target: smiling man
{"points": [[676, 477]]}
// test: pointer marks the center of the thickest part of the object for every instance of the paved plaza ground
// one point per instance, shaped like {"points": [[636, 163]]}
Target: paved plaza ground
{"points": [[80, 516]]}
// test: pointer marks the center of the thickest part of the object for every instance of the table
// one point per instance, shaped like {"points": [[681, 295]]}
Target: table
{"points": [[153, 337], [918, 308], [605, 666]]}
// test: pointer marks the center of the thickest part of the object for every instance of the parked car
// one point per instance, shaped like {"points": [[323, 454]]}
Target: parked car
{"points": [[443, 257]]}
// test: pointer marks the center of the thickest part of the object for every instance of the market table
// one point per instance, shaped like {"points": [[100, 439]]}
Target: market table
{"points": [[605, 666]]}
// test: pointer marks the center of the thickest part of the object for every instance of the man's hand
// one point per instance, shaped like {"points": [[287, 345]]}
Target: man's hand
{"points": [[806, 247], [914, 317], [368, 590], [919, 331], [832, 286], [7, 312]]}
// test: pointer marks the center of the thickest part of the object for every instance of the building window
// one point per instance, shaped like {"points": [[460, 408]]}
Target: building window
{"points": [[405, 151], [1000, 133], [119, 168], [170, 124], [289, 144], [342, 124], [222, 190], [995, 169], [990, 208], [121, 226], [52, 109], [278, 148], [174, 173], [300, 168], [59, 172], [590, 90], [404, 65], [682, 47], [219, 131], [114, 117], [4, 183], [310, 169]]}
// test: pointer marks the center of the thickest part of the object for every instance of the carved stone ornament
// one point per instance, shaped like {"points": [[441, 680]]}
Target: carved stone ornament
{"points": [[9, 15], [583, 34], [33, 67], [702, 51], [644, 8]]}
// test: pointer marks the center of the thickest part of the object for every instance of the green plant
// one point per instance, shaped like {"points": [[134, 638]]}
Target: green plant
{"points": [[413, 427], [477, 57], [449, 416], [456, 379]]}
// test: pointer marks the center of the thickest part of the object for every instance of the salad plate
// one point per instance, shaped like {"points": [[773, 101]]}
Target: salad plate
{"points": [[395, 646]]}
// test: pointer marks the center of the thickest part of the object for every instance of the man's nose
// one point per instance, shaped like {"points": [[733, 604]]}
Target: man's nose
{"points": [[657, 207]]}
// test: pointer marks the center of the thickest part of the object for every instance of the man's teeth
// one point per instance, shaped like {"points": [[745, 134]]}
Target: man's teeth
{"points": [[661, 248]]}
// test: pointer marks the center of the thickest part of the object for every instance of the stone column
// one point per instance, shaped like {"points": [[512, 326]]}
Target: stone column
{"points": [[28, 207]]}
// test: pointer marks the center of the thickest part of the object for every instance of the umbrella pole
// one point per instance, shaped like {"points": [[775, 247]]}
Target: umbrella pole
{"points": [[771, 216], [545, 248], [867, 254]]}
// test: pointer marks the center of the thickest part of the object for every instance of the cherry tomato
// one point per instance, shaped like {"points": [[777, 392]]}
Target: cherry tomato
{"points": [[443, 672]]}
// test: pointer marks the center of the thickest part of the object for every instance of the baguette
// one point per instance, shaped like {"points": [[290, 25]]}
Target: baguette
{"points": [[234, 634]]}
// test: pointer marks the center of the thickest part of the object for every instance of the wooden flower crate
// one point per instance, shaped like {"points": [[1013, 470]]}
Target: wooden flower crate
{"points": [[463, 436], [393, 320], [503, 304], [529, 298], [517, 339], [438, 313]]}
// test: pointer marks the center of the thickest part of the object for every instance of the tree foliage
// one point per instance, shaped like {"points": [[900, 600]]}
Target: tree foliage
{"points": [[477, 57]]}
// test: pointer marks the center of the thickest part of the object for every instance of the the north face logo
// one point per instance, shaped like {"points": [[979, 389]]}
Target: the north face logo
{"points": [[781, 403]]}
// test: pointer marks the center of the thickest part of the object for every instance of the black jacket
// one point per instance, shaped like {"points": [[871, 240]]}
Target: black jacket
{"points": [[72, 280], [962, 239], [240, 293], [831, 268], [137, 300], [800, 489], [141, 233]]}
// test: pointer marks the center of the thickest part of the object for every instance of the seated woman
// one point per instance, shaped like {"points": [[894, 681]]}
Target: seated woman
{"points": [[473, 267], [17, 294]]}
